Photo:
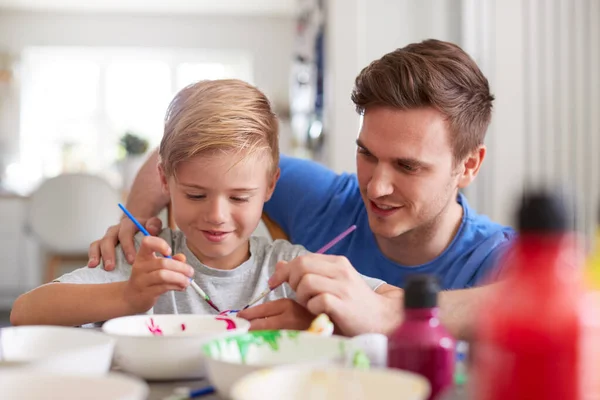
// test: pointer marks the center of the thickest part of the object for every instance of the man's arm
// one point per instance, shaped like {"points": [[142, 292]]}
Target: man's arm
{"points": [[70, 304], [459, 309], [146, 198]]}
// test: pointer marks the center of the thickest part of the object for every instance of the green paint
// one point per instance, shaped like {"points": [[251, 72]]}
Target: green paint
{"points": [[244, 341], [293, 334], [360, 360]]}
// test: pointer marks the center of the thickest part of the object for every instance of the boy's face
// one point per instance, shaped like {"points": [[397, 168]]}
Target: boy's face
{"points": [[217, 202], [406, 170]]}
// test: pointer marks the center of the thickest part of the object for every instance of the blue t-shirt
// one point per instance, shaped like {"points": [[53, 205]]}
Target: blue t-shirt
{"points": [[313, 204]]}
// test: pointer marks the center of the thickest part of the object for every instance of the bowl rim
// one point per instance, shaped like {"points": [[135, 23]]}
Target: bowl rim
{"points": [[239, 387], [100, 337], [297, 332], [110, 376], [210, 335]]}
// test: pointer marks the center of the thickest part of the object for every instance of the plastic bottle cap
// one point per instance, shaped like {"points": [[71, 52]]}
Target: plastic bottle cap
{"points": [[421, 291], [544, 211]]}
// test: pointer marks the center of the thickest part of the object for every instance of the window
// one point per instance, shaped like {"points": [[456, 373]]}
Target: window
{"points": [[76, 103]]}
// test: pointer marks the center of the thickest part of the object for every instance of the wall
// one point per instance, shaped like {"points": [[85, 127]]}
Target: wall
{"points": [[360, 31], [268, 39]]}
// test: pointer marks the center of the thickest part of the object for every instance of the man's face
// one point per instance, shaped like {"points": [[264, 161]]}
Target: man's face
{"points": [[406, 169]]}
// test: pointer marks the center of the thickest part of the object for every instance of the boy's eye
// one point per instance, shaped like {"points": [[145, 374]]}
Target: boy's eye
{"points": [[195, 196], [240, 199]]}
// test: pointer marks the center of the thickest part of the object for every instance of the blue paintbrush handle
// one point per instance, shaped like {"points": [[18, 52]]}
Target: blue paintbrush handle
{"points": [[136, 222]]}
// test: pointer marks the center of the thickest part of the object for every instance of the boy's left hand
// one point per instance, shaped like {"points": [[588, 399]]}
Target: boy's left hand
{"points": [[278, 314]]}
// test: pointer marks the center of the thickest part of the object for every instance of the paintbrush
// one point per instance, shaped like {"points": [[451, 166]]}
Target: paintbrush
{"points": [[192, 283], [320, 251]]}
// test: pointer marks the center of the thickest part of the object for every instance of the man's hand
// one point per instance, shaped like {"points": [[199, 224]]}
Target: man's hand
{"points": [[152, 275], [330, 284], [278, 314], [104, 249]]}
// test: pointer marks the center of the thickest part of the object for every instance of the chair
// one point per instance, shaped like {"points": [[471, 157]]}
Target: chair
{"points": [[67, 213]]}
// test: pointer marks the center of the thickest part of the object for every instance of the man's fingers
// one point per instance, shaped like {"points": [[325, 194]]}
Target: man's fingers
{"points": [[107, 247], [280, 276], [312, 285], [154, 226], [317, 264], [94, 254], [126, 233], [326, 303]]}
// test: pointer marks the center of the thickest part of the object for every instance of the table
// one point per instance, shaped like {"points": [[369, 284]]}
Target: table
{"points": [[162, 390]]}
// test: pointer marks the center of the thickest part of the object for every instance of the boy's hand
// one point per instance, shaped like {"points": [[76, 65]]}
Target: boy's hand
{"points": [[153, 275], [278, 314]]}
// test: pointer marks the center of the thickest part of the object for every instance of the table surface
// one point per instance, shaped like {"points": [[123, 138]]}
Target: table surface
{"points": [[162, 390]]}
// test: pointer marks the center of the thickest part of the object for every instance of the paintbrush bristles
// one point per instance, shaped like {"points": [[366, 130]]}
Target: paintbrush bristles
{"points": [[259, 298]]}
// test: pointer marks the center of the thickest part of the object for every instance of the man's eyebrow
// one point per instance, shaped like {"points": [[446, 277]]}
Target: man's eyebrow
{"points": [[412, 162], [359, 143]]}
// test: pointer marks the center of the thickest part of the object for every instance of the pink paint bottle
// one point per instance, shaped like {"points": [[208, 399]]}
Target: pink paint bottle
{"points": [[421, 344]]}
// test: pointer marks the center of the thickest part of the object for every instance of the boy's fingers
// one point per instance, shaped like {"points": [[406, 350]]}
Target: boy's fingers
{"points": [[166, 277], [151, 245], [180, 257]]}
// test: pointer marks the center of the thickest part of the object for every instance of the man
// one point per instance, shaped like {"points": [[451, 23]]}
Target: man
{"points": [[425, 110]]}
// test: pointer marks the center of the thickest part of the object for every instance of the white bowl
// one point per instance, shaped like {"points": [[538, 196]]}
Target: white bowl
{"points": [[301, 382], [231, 358], [175, 355], [20, 385], [57, 349]]}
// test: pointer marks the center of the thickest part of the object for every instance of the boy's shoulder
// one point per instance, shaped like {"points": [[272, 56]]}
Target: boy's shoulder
{"points": [[263, 249]]}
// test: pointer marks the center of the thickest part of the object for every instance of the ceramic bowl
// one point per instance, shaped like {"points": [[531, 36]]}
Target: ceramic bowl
{"points": [[56, 349], [167, 347], [20, 385], [229, 359], [333, 383]]}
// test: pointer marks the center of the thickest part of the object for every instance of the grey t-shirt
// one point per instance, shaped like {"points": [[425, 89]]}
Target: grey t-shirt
{"points": [[228, 289]]}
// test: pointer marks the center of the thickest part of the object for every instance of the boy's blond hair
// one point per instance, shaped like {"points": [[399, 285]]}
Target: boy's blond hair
{"points": [[228, 116]]}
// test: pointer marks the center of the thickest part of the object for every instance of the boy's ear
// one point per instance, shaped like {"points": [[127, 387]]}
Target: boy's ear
{"points": [[164, 183], [274, 178]]}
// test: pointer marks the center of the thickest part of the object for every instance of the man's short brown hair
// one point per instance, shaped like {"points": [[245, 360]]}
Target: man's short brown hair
{"points": [[431, 74]]}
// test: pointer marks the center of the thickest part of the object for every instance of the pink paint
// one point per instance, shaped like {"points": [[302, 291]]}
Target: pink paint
{"points": [[230, 323], [183, 327], [154, 329]]}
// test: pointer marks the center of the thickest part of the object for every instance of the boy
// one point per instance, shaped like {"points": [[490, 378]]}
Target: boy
{"points": [[218, 161]]}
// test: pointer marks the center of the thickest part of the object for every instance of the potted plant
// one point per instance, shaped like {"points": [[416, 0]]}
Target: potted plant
{"points": [[133, 149]]}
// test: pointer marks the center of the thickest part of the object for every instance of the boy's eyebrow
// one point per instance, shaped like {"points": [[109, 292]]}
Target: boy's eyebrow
{"points": [[243, 189]]}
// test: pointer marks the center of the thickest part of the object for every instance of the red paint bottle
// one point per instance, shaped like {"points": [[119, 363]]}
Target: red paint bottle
{"points": [[528, 338]]}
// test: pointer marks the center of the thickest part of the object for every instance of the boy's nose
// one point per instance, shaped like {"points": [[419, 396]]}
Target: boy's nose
{"points": [[217, 213]]}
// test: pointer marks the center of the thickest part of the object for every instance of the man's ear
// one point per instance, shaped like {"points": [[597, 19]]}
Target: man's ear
{"points": [[470, 166], [164, 182], [273, 181]]}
